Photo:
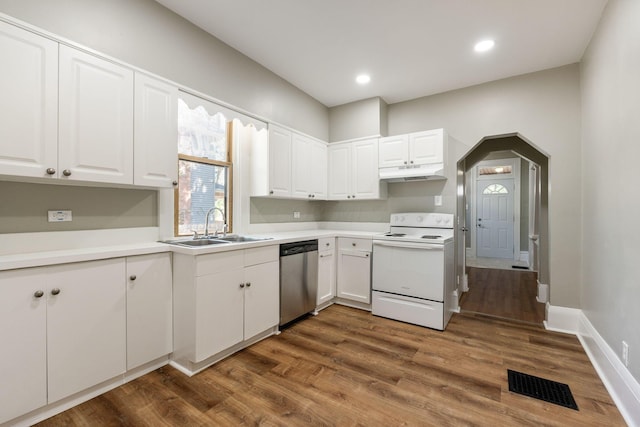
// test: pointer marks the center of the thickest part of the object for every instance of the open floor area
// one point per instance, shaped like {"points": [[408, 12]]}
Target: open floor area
{"points": [[348, 367], [509, 294]]}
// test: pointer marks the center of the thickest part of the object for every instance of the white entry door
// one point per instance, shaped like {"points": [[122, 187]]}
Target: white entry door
{"points": [[494, 222]]}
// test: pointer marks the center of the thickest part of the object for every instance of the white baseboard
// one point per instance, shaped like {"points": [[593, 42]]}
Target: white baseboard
{"points": [[543, 293], [562, 319], [622, 386]]}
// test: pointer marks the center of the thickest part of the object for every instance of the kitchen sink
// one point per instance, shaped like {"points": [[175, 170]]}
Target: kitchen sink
{"points": [[238, 239], [198, 242]]}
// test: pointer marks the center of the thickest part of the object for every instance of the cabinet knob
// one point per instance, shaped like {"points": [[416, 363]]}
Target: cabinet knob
{"points": [[353, 197], [132, 277], [175, 183], [327, 244], [242, 285], [367, 255], [55, 291], [348, 197], [271, 192], [411, 162], [51, 171], [313, 196], [38, 294], [66, 172], [248, 284], [405, 162], [353, 244]]}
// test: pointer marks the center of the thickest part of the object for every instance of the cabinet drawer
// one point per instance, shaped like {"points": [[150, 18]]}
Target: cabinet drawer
{"points": [[327, 243], [261, 255], [218, 262], [355, 244]]}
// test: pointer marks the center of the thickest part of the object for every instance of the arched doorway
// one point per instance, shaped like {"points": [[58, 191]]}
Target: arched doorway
{"points": [[535, 220]]}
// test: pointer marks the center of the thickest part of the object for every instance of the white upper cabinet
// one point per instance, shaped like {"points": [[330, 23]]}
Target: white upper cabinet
{"points": [[309, 168], [426, 147], [353, 171], [393, 151], [29, 103], [156, 132], [96, 119], [291, 165], [414, 149]]}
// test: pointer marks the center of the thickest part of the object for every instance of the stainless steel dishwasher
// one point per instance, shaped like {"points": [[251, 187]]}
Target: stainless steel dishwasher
{"points": [[298, 279]]}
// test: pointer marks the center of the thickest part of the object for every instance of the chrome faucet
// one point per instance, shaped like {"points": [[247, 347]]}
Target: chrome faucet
{"points": [[206, 222]]}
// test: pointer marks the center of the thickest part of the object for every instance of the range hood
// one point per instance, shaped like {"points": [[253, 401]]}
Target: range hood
{"points": [[433, 171]]}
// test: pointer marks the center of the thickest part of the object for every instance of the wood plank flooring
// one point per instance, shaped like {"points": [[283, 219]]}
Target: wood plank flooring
{"points": [[509, 294], [348, 367]]}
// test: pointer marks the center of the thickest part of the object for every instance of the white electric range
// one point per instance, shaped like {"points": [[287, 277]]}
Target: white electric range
{"points": [[413, 273]]}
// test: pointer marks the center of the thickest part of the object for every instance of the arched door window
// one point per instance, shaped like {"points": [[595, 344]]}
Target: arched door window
{"points": [[495, 189]]}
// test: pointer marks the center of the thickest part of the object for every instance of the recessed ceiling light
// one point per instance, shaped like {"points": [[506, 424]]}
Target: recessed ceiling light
{"points": [[484, 45], [363, 79]]}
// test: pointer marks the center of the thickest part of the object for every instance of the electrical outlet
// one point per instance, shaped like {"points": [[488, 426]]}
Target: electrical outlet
{"points": [[296, 215], [59, 216], [438, 200], [625, 353]]}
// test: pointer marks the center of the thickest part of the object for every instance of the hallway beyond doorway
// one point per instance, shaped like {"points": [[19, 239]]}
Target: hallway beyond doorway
{"points": [[509, 294]]}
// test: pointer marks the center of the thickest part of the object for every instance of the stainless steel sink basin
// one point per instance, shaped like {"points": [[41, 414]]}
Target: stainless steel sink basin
{"points": [[238, 239], [198, 242]]}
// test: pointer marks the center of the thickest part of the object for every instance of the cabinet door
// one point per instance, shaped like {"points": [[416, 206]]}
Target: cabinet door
{"points": [[23, 330], [29, 103], [339, 171], [279, 162], [96, 119], [156, 132], [86, 325], [318, 170], [365, 180], [354, 276], [393, 151], [261, 298], [326, 276], [426, 147], [301, 165], [219, 312], [149, 308]]}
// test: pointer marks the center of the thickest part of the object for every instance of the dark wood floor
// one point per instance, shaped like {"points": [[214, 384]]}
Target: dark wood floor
{"points": [[347, 367], [510, 294]]}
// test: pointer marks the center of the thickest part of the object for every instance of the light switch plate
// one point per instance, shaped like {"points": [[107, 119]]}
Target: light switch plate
{"points": [[296, 215], [59, 216]]}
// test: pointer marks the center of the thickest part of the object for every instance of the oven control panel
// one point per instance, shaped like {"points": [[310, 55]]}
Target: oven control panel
{"points": [[418, 219]]}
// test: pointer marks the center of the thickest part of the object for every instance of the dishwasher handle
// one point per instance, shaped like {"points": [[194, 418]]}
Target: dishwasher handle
{"points": [[287, 249]]}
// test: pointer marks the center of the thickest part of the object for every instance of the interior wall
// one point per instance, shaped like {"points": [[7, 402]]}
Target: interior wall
{"points": [[545, 108], [24, 207], [611, 131], [357, 119]]}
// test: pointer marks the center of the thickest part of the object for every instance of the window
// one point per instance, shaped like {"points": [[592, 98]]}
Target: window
{"points": [[495, 189], [204, 171], [494, 170]]}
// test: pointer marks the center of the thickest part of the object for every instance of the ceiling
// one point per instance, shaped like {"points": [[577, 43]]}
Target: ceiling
{"points": [[410, 48]]}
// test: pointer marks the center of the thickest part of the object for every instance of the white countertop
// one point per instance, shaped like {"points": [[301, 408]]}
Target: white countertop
{"points": [[36, 259]]}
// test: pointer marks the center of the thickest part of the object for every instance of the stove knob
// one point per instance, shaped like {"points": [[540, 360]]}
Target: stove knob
{"points": [[438, 220], [419, 218]]}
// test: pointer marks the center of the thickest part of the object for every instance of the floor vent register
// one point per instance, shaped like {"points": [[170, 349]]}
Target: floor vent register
{"points": [[542, 389]]}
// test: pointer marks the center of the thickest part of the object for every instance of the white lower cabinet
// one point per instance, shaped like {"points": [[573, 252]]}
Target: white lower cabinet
{"points": [[149, 308], [23, 333], [69, 327], [223, 299], [354, 269], [326, 270], [86, 325]]}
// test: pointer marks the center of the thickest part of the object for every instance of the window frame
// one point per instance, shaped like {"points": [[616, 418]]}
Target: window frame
{"points": [[205, 160]]}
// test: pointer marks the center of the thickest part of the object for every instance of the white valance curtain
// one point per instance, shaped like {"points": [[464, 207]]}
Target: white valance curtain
{"points": [[212, 109]]}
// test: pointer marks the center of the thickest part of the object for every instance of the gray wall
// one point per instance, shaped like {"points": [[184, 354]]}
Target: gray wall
{"points": [[611, 134], [24, 207], [357, 119], [544, 107]]}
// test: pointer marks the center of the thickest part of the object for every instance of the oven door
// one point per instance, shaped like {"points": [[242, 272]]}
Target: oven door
{"points": [[406, 268]]}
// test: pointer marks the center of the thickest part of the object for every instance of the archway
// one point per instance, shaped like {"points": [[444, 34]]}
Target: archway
{"points": [[538, 234]]}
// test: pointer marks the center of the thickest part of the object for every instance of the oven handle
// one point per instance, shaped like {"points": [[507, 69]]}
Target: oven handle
{"points": [[408, 245]]}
